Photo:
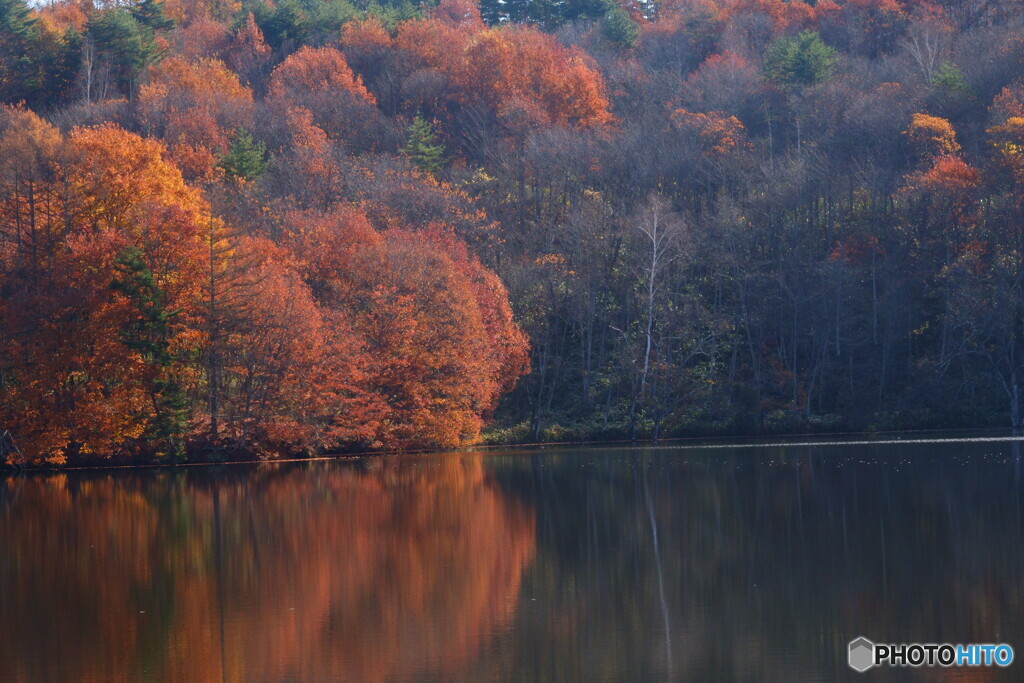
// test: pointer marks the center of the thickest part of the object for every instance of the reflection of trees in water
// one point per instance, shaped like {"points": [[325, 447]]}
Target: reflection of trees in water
{"points": [[275, 573], [770, 562]]}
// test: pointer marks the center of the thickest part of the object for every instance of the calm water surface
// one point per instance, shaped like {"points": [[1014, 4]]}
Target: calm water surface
{"points": [[753, 563]]}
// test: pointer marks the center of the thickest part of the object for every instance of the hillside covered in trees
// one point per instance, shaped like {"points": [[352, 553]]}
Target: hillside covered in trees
{"points": [[286, 227]]}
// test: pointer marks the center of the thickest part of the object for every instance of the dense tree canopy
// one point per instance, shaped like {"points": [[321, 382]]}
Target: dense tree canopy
{"points": [[299, 225]]}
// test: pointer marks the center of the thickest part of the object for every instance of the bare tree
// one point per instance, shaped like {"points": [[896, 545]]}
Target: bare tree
{"points": [[926, 42], [88, 67], [661, 229]]}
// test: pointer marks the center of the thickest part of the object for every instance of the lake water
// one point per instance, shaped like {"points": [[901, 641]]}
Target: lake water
{"points": [[729, 563]]}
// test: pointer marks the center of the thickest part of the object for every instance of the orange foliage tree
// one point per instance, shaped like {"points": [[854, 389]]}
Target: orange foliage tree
{"points": [[320, 81], [90, 364], [65, 14], [440, 342], [719, 134], [948, 176], [425, 334], [1007, 140], [202, 39], [190, 11], [1009, 103], [314, 71], [139, 321], [195, 107], [248, 54], [458, 13], [315, 176], [786, 17], [504, 70], [293, 369], [950, 184], [932, 136]]}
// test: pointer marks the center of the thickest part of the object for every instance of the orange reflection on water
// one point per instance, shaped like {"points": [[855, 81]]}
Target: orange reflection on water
{"points": [[398, 571]]}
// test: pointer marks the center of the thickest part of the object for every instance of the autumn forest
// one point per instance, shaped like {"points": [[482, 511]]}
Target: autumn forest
{"points": [[257, 228]]}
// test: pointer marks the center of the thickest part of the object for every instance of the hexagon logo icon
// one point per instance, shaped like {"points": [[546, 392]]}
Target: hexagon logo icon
{"points": [[861, 654]]}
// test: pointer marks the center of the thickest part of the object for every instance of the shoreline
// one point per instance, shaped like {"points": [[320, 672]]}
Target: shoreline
{"points": [[692, 442]]}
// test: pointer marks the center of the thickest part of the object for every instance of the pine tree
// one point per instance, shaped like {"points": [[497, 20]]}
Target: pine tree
{"points": [[16, 23], [620, 28], [37, 66], [151, 13], [246, 157], [19, 34], [949, 77], [287, 22], [799, 61], [573, 10], [126, 44], [423, 149], [149, 335], [548, 14]]}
